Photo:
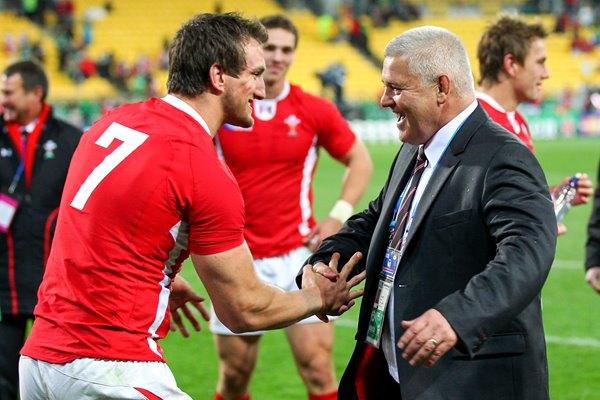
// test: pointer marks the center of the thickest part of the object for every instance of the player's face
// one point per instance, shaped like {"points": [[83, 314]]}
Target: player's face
{"points": [[16, 102], [529, 76], [279, 54], [249, 85], [415, 105]]}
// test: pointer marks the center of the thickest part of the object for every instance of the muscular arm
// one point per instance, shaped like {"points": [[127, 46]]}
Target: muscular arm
{"points": [[244, 303]]}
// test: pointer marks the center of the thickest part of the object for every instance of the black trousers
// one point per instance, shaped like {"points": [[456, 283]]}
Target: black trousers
{"points": [[12, 334]]}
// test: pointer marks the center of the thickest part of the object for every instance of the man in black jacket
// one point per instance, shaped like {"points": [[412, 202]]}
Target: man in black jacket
{"points": [[592, 260], [457, 245], [35, 152]]}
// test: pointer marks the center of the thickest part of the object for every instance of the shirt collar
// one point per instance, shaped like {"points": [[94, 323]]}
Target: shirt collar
{"points": [[186, 108], [284, 93], [30, 126], [435, 149], [490, 100]]}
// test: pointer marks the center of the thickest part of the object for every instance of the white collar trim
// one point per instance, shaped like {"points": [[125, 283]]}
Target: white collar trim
{"points": [[186, 108], [488, 99]]}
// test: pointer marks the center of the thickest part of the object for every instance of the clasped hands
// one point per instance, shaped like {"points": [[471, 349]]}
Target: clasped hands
{"points": [[335, 291], [334, 287]]}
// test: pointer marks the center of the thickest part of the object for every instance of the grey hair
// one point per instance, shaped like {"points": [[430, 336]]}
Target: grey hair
{"points": [[432, 51]]}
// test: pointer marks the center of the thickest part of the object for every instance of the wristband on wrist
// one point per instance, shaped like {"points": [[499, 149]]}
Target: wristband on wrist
{"points": [[342, 210]]}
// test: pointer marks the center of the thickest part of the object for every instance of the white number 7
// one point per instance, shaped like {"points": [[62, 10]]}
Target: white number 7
{"points": [[131, 139]]}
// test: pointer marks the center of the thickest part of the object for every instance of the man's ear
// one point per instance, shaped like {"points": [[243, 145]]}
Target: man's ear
{"points": [[38, 92], [508, 64], [217, 77], [443, 88]]}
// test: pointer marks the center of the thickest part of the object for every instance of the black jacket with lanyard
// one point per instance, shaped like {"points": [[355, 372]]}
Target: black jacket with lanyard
{"points": [[36, 182]]}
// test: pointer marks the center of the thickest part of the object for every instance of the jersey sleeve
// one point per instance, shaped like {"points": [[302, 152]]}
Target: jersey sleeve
{"points": [[216, 213], [334, 132]]}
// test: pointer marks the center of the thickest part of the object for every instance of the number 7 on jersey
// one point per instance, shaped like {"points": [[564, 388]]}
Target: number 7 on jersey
{"points": [[131, 139]]}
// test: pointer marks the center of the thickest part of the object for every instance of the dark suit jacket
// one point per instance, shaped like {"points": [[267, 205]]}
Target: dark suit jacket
{"points": [[480, 248], [592, 246], [32, 229]]}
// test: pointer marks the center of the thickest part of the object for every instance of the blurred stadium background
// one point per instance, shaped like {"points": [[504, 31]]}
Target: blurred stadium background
{"points": [[100, 53]]}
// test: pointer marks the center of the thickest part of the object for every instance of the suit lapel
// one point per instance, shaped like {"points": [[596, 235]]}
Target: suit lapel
{"points": [[401, 172]]}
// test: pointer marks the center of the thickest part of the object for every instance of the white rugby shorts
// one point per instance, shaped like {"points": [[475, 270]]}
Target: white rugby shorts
{"points": [[90, 378]]}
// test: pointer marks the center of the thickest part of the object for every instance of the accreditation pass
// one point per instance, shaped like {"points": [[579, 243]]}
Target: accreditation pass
{"points": [[384, 289]]}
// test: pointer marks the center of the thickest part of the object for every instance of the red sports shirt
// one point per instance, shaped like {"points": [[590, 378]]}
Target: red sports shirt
{"points": [[145, 188], [274, 163], [512, 121]]}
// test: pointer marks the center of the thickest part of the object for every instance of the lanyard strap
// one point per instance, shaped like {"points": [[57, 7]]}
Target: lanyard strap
{"points": [[21, 167], [402, 213], [15, 180]]}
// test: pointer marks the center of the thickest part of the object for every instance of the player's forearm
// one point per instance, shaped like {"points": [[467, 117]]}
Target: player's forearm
{"points": [[271, 308], [244, 303], [319, 295]]}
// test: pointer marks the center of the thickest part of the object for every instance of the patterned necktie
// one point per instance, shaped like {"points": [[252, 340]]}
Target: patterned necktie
{"points": [[399, 224]]}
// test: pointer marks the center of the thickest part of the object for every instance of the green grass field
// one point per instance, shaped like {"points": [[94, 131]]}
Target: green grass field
{"points": [[571, 308]]}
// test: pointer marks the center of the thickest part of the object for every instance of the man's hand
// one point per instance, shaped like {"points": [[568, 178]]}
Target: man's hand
{"points": [[329, 273], [427, 338], [326, 271], [582, 194], [584, 189], [336, 294], [182, 294], [592, 277]]}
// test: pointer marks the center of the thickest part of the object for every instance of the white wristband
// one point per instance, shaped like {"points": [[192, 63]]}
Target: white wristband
{"points": [[342, 210]]}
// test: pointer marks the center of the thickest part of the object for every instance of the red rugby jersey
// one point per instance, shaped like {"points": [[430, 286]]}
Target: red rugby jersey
{"points": [[274, 163], [512, 121], [144, 189]]}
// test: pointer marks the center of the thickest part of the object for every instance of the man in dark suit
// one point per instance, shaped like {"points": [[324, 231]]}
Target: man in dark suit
{"points": [[458, 244], [592, 246]]}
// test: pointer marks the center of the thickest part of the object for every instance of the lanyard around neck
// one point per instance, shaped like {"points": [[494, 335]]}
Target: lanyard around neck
{"points": [[27, 152], [21, 167]]}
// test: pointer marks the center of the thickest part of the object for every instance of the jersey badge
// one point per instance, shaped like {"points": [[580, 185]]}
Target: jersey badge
{"points": [[292, 122], [265, 109], [49, 148]]}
